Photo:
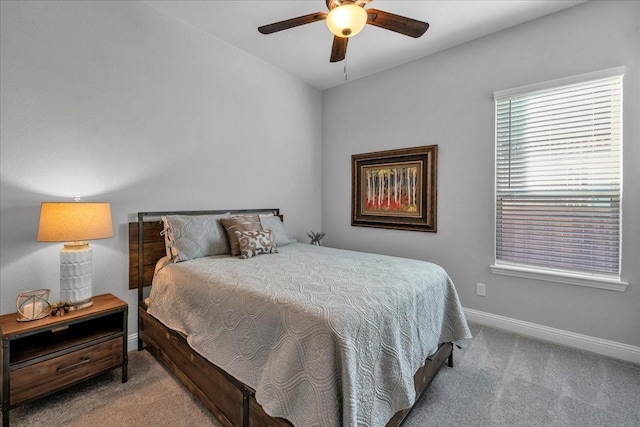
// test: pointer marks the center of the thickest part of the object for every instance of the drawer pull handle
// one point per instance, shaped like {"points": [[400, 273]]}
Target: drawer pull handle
{"points": [[80, 362]]}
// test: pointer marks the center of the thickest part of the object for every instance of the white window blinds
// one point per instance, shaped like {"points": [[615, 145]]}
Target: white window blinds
{"points": [[558, 177]]}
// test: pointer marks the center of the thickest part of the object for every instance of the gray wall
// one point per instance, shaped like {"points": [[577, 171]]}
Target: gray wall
{"points": [[118, 102], [447, 99]]}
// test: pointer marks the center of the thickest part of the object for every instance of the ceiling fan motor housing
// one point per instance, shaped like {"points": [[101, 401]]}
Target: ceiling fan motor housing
{"points": [[335, 3]]}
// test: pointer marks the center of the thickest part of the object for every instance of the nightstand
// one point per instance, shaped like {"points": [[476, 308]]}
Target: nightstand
{"points": [[43, 356]]}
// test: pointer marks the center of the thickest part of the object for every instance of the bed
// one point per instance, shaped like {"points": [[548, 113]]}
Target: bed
{"points": [[305, 336]]}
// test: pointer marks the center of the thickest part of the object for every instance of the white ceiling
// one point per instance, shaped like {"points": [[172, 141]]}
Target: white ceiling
{"points": [[304, 51]]}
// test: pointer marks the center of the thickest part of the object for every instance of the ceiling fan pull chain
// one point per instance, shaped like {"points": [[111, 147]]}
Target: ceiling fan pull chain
{"points": [[345, 70]]}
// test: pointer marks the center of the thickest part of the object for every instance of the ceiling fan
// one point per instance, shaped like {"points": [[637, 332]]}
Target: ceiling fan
{"points": [[346, 18]]}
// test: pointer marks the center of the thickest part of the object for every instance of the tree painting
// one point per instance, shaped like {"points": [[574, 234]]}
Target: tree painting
{"points": [[395, 189], [392, 188]]}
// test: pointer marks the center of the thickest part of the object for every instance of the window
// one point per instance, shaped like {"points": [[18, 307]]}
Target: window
{"points": [[559, 180]]}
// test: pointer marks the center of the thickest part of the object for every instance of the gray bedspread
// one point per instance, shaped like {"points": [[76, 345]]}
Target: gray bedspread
{"points": [[326, 337]]}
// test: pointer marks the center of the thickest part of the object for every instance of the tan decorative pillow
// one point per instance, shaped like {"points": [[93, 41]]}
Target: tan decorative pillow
{"points": [[239, 223], [254, 243]]}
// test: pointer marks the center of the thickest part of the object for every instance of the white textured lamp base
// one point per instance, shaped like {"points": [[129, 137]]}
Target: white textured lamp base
{"points": [[75, 274]]}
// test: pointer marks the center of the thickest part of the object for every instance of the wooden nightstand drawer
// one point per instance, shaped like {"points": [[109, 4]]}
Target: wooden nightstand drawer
{"points": [[50, 375]]}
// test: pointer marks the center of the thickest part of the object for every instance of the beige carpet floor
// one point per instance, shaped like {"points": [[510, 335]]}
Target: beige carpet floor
{"points": [[500, 379], [150, 397]]}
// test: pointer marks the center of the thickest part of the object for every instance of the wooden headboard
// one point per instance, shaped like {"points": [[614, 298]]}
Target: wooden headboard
{"points": [[153, 250], [153, 243]]}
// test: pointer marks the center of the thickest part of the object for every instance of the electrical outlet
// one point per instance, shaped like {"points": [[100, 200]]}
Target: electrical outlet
{"points": [[481, 289]]}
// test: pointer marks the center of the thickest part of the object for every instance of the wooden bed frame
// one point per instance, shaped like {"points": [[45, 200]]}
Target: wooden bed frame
{"points": [[230, 401]]}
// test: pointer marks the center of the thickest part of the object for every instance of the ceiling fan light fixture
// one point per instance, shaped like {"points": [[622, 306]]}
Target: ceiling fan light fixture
{"points": [[346, 20]]}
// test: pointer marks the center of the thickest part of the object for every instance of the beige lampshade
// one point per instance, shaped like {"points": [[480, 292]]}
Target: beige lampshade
{"points": [[346, 20], [74, 221]]}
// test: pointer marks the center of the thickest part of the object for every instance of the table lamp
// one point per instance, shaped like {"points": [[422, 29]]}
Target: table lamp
{"points": [[75, 223]]}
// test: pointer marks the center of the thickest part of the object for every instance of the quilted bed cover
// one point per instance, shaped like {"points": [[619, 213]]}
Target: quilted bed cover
{"points": [[324, 336]]}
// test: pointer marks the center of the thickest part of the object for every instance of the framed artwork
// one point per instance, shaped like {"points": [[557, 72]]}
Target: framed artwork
{"points": [[395, 189]]}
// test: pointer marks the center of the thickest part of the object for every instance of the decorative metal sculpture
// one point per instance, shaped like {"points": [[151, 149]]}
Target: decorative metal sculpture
{"points": [[316, 237]]}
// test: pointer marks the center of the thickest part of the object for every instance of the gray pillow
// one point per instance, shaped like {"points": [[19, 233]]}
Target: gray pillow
{"points": [[195, 236], [280, 235]]}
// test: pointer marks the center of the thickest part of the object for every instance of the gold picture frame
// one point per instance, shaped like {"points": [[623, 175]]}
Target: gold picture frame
{"points": [[395, 189]]}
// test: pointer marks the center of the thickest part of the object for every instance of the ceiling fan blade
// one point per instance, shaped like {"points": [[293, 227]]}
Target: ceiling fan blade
{"points": [[399, 24], [339, 49], [293, 22]]}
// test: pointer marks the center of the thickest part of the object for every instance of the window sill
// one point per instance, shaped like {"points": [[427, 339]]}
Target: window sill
{"points": [[592, 281]]}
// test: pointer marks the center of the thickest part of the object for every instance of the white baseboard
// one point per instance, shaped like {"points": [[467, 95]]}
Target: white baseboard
{"points": [[613, 349], [132, 342]]}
